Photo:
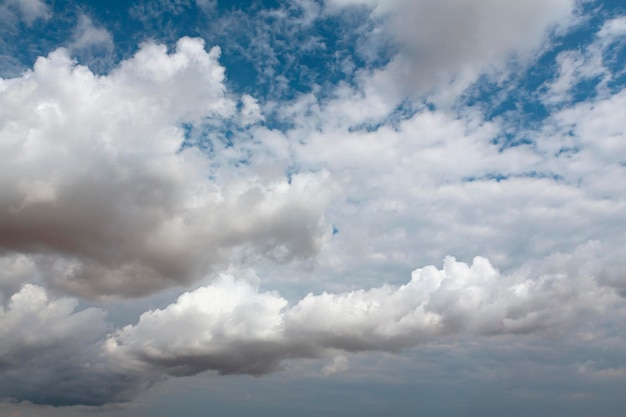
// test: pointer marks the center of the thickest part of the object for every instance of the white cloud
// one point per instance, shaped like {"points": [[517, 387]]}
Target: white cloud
{"points": [[339, 364], [439, 181], [250, 111], [96, 182], [231, 327]]}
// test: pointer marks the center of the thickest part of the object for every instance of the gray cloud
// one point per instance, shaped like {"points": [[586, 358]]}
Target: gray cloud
{"points": [[49, 353], [29, 10], [458, 40]]}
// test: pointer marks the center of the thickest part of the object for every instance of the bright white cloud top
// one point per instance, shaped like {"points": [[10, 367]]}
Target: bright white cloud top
{"points": [[167, 211]]}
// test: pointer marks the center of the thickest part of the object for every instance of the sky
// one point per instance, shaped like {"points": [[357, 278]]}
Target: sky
{"points": [[312, 208]]}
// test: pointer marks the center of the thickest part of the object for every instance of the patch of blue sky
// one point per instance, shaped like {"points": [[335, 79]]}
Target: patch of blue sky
{"points": [[614, 60], [568, 151], [518, 101], [208, 136], [613, 7], [499, 176], [21, 42], [232, 5], [586, 89], [279, 54], [403, 111], [511, 139], [269, 48]]}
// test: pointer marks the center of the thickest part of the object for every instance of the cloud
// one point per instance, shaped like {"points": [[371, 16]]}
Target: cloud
{"points": [[587, 64], [31, 10], [16, 270], [456, 39], [231, 327], [421, 182], [155, 175], [49, 355], [87, 35], [98, 183], [250, 111]]}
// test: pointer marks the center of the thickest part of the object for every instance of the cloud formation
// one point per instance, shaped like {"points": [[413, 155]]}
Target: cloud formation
{"points": [[97, 182], [232, 328]]}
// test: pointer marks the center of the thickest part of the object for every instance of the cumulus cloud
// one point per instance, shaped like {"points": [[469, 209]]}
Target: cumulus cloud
{"points": [[231, 327], [97, 182], [52, 352]]}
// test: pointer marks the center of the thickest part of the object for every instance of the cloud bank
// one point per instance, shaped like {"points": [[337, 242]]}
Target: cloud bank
{"points": [[231, 327]]}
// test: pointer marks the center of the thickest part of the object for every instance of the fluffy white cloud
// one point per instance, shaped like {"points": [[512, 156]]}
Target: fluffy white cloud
{"points": [[231, 327], [227, 326], [96, 179]]}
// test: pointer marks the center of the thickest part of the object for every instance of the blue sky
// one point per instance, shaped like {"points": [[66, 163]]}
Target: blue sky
{"points": [[312, 207]]}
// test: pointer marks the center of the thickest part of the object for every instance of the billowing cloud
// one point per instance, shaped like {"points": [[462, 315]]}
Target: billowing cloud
{"points": [[232, 328], [96, 179]]}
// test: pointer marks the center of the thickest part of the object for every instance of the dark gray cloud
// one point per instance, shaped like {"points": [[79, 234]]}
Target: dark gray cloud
{"points": [[50, 353]]}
